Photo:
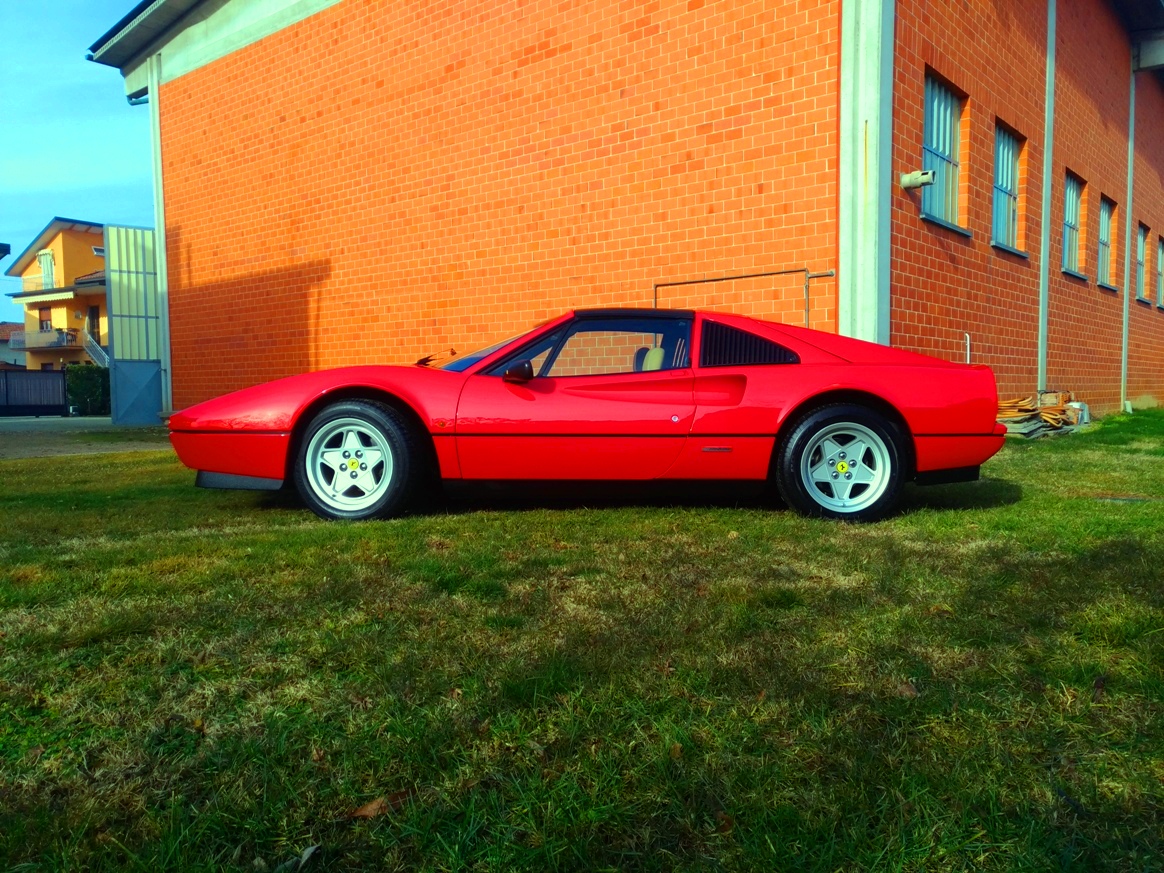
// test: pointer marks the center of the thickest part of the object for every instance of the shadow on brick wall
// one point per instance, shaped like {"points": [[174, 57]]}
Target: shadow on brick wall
{"points": [[252, 327]]}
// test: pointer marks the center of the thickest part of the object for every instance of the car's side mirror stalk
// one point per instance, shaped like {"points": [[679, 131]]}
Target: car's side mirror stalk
{"points": [[521, 371]]}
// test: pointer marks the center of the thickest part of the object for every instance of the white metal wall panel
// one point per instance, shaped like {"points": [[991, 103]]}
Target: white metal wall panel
{"points": [[131, 281]]}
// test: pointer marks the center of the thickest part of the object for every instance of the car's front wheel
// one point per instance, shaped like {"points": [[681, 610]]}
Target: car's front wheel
{"points": [[842, 461], [357, 459]]}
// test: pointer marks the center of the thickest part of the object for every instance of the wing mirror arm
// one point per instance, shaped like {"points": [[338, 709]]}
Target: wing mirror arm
{"points": [[520, 371]]}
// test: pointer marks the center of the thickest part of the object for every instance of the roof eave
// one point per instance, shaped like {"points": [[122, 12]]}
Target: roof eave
{"points": [[55, 224], [1141, 15], [53, 295], [140, 28]]}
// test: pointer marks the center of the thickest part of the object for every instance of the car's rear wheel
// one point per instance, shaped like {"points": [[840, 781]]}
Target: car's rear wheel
{"points": [[357, 459], [842, 461]]}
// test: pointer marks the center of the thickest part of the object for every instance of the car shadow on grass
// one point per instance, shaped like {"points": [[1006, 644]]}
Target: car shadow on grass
{"points": [[460, 498], [988, 493]]}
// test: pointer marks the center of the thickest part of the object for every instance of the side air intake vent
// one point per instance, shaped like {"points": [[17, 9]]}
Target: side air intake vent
{"points": [[723, 346]]}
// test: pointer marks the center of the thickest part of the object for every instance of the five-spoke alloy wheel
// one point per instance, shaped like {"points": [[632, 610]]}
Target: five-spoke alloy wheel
{"points": [[841, 461], [356, 460]]}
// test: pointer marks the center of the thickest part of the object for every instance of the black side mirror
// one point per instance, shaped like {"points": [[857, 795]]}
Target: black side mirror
{"points": [[520, 371]]}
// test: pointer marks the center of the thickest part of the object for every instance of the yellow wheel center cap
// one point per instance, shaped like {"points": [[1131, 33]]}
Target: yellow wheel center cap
{"points": [[843, 467], [353, 463]]}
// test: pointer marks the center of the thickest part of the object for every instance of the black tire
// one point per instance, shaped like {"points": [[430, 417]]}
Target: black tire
{"points": [[365, 445], [818, 475]]}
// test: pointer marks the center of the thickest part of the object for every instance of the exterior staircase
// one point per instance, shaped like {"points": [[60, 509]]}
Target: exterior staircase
{"points": [[93, 350]]}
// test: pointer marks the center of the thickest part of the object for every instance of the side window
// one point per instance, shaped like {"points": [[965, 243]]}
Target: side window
{"points": [[540, 356], [607, 346], [610, 346], [723, 346], [602, 352], [537, 354]]}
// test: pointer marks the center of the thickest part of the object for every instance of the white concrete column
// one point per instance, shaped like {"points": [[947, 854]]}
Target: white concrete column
{"points": [[866, 129], [155, 78], [1128, 221], [1045, 210]]}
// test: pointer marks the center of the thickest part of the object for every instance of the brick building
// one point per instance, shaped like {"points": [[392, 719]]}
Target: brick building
{"points": [[346, 181]]}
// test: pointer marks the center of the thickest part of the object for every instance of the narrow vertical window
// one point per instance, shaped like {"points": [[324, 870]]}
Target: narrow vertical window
{"points": [[46, 318], [1005, 221], [1141, 245], [45, 260], [1072, 211], [941, 151], [1106, 225], [1160, 273]]}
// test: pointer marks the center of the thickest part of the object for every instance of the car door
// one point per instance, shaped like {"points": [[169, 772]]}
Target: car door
{"points": [[741, 387], [610, 398]]}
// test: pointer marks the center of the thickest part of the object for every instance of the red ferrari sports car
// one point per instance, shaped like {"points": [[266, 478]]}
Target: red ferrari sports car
{"points": [[837, 425]]}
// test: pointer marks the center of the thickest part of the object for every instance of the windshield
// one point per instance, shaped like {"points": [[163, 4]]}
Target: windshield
{"points": [[463, 362]]}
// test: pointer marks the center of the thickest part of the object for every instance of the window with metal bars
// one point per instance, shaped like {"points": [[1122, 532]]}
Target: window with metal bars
{"points": [[1103, 262], [941, 150], [723, 346], [1160, 273], [1141, 245], [1004, 228], [1072, 210]]}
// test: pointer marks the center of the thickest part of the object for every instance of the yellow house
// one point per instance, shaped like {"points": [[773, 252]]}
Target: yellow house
{"points": [[63, 295]]}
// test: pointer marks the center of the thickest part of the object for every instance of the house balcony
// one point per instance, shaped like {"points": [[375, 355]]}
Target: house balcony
{"points": [[25, 340], [58, 338]]}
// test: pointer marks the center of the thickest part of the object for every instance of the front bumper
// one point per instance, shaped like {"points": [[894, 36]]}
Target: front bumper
{"points": [[234, 453]]}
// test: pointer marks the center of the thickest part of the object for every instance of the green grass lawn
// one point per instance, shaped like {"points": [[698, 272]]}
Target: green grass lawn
{"points": [[194, 680]]}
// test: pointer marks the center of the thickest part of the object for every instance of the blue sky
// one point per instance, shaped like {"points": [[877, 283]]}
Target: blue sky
{"points": [[70, 144]]}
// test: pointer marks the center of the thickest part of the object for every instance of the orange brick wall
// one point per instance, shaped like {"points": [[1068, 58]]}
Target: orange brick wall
{"points": [[1146, 322], [943, 284], [383, 180], [1091, 140]]}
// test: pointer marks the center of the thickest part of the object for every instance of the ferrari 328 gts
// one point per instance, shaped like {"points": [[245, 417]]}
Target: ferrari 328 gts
{"points": [[837, 426]]}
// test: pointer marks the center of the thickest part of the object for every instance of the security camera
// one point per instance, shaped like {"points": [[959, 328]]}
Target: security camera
{"points": [[917, 179]]}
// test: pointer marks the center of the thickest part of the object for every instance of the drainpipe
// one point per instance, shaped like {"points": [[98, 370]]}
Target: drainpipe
{"points": [[1125, 405], [1048, 179]]}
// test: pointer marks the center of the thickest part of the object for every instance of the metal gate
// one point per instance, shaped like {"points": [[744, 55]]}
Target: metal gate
{"points": [[135, 369], [33, 392]]}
